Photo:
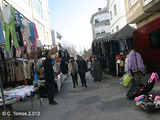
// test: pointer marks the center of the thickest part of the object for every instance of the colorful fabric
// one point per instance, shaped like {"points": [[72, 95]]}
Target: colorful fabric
{"points": [[10, 29], [33, 31]]}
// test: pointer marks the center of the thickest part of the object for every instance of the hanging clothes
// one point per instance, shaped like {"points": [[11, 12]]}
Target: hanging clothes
{"points": [[19, 71], [9, 26], [26, 31], [19, 36], [33, 34], [135, 62], [2, 40]]}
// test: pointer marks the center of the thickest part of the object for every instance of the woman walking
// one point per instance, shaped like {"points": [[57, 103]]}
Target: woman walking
{"points": [[73, 68]]}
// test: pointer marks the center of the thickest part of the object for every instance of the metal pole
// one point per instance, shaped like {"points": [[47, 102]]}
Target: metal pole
{"points": [[4, 106]]}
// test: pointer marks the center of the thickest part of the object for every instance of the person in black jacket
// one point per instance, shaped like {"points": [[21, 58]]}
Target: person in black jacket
{"points": [[49, 77], [63, 66], [82, 68]]}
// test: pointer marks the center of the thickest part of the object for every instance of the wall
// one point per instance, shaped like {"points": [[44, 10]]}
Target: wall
{"points": [[102, 25], [118, 19]]}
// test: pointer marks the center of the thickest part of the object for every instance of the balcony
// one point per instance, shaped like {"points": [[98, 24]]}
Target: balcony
{"points": [[151, 6]]}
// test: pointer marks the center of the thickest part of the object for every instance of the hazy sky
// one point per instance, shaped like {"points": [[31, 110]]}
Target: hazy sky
{"points": [[71, 18]]}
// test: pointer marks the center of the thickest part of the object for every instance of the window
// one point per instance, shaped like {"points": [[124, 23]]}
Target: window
{"points": [[117, 28], [154, 39], [102, 31], [132, 2], [96, 20], [98, 33], [111, 15], [115, 10], [37, 6], [112, 30]]}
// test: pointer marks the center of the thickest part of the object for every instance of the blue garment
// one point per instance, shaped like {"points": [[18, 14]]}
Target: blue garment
{"points": [[18, 19], [35, 78], [31, 37], [2, 40]]}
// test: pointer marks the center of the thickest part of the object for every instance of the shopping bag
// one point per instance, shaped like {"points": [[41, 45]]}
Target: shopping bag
{"points": [[127, 82]]}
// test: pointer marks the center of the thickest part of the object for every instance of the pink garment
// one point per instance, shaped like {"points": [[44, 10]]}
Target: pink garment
{"points": [[35, 32], [34, 44], [139, 98], [154, 76]]}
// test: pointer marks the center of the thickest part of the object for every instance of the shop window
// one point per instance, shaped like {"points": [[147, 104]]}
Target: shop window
{"points": [[154, 39]]}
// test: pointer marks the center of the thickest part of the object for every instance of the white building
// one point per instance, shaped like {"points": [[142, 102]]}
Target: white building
{"points": [[56, 38], [117, 15], [36, 11], [100, 23]]}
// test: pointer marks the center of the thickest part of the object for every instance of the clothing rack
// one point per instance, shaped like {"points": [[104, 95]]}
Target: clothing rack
{"points": [[17, 11]]}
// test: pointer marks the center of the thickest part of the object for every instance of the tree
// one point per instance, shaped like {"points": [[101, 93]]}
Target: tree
{"points": [[71, 49], [86, 53]]}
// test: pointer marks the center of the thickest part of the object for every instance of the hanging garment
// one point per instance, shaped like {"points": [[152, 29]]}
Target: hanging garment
{"points": [[28, 69], [9, 26], [33, 31], [135, 62], [1, 17], [19, 71], [34, 42], [18, 21], [2, 40], [103, 47], [2, 53], [26, 31], [19, 36]]}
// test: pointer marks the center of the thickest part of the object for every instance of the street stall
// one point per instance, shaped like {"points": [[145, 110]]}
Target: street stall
{"points": [[111, 50], [18, 49]]}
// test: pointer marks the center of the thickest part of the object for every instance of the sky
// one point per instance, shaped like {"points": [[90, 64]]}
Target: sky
{"points": [[71, 18]]}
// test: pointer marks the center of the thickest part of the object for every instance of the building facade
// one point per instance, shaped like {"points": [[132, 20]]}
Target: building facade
{"points": [[142, 11], [100, 23], [117, 15], [56, 38], [36, 11]]}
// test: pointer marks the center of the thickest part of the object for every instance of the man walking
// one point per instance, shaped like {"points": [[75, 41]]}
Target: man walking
{"points": [[82, 68], [49, 78]]}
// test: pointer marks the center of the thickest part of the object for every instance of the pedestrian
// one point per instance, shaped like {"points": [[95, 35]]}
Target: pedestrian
{"points": [[49, 77], [64, 69], [73, 68], [82, 69], [97, 70]]}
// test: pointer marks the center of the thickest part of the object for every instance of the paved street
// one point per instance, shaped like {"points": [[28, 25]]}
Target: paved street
{"points": [[104, 100]]}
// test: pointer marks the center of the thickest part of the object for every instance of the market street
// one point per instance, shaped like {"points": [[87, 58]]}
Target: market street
{"points": [[104, 100]]}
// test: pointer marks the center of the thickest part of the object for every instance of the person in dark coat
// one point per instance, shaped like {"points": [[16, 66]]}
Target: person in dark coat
{"points": [[63, 67], [97, 70], [82, 68], [49, 77]]}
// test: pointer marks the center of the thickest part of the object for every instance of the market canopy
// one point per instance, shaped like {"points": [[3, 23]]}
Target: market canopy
{"points": [[126, 31]]}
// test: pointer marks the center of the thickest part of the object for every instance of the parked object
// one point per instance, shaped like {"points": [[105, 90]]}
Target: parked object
{"points": [[139, 89]]}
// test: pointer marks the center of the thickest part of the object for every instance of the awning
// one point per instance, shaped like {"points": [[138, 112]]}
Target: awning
{"points": [[126, 31]]}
